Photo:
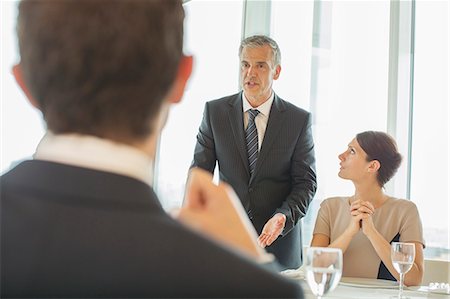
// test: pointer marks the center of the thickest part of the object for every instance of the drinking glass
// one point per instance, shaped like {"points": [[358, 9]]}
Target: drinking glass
{"points": [[402, 256], [323, 268]]}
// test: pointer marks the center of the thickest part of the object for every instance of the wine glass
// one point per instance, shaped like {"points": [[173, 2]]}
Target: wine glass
{"points": [[402, 256], [323, 268]]}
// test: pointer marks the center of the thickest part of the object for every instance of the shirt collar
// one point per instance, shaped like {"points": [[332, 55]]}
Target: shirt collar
{"points": [[96, 153], [263, 109]]}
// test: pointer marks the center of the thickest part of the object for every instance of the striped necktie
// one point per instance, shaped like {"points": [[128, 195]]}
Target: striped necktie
{"points": [[251, 138]]}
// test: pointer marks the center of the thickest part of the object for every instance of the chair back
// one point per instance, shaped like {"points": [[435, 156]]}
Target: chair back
{"points": [[436, 271]]}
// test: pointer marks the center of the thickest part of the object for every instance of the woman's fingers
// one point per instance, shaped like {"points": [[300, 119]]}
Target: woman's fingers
{"points": [[362, 207]]}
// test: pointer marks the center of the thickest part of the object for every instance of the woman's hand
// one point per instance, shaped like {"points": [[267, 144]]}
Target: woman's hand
{"points": [[355, 223], [360, 210], [367, 225], [361, 206]]}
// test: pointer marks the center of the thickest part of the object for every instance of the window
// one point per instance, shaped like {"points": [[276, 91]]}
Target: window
{"points": [[21, 124], [348, 77], [292, 24], [213, 33], [430, 138]]}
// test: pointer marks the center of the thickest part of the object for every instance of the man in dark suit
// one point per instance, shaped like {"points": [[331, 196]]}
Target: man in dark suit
{"points": [[81, 219], [264, 149]]}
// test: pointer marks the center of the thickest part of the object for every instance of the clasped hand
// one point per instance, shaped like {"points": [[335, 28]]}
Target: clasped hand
{"points": [[361, 212]]}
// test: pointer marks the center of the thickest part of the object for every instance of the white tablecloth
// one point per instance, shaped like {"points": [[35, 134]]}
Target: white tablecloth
{"points": [[362, 288], [353, 292]]}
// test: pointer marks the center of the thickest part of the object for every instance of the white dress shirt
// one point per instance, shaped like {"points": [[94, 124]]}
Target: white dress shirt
{"points": [[261, 119], [96, 153]]}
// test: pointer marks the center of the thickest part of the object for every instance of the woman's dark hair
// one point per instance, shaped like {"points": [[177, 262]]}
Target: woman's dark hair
{"points": [[383, 148]]}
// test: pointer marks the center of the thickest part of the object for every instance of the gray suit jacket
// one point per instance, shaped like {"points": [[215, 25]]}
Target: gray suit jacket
{"points": [[284, 179], [74, 232]]}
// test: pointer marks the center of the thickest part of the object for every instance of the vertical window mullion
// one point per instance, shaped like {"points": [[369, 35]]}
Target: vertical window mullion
{"points": [[400, 96]]}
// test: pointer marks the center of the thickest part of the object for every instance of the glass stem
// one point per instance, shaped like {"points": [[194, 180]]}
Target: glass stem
{"points": [[400, 292]]}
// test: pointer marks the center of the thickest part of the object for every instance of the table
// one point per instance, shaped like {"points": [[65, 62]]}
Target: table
{"points": [[358, 288], [347, 291]]}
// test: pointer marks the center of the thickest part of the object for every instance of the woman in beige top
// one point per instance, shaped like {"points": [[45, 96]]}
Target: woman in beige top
{"points": [[365, 224]]}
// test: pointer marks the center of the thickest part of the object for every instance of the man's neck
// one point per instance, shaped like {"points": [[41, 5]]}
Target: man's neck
{"points": [[257, 101], [99, 154], [148, 146]]}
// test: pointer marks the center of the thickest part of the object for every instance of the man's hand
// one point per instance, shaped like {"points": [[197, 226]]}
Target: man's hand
{"points": [[215, 211], [272, 229]]}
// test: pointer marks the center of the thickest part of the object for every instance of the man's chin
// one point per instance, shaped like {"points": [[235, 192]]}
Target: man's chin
{"points": [[250, 91]]}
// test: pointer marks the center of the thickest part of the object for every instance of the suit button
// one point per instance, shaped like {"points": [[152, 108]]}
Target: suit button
{"points": [[250, 214], [250, 190]]}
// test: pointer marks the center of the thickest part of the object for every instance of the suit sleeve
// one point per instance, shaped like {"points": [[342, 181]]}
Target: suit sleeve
{"points": [[204, 152], [303, 177]]}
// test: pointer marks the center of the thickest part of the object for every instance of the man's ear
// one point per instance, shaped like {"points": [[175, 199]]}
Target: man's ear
{"points": [[17, 73], [276, 75], [184, 72]]}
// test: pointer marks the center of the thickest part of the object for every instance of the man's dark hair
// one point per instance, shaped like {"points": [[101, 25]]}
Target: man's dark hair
{"points": [[383, 148], [100, 67]]}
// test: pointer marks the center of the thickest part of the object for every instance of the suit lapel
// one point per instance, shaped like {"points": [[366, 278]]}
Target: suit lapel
{"points": [[274, 125], [236, 118]]}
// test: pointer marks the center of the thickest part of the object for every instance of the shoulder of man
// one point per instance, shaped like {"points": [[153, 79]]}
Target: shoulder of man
{"points": [[230, 99], [222, 270], [289, 106]]}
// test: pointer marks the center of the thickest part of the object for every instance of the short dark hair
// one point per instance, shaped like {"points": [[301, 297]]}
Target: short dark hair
{"points": [[100, 67], [383, 148]]}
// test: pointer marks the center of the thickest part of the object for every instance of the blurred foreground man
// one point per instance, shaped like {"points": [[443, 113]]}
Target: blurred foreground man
{"points": [[81, 219]]}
